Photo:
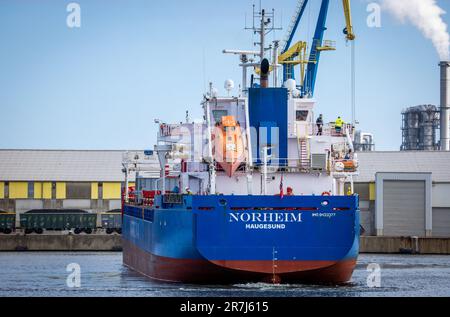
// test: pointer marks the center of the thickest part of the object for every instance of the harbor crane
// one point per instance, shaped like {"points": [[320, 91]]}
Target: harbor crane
{"points": [[297, 54]]}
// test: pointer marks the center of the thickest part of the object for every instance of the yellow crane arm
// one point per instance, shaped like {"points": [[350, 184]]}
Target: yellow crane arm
{"points": [[350, 35], [295, 50]]}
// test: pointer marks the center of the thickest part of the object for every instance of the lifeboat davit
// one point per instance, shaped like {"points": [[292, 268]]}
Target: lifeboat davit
{"points": [[229, 150]]}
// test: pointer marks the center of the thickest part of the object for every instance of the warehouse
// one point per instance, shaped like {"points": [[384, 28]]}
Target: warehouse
{"points": [[405, 193], [54, 179]]}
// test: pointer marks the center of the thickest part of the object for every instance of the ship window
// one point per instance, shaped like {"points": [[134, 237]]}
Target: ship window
{"points": [[302, 115], [218, 114]]}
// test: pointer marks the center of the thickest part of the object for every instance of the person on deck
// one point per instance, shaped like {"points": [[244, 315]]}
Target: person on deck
{"points": [[338, 125], [290, 191], [349, 155], [319, 123]]}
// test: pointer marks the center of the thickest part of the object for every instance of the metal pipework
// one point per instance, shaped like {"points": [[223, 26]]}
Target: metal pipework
{"points": [[245, 63], [445, 106], [241, 52]]}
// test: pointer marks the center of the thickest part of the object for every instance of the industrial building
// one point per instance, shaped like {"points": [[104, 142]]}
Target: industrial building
{"points": [[405, 193], [41, 179], [401, 193], [421, 123]]}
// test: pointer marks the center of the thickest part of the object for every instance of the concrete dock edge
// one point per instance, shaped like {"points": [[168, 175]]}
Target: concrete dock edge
{"points": [[60, 243], [101, 242], [406, 245]]}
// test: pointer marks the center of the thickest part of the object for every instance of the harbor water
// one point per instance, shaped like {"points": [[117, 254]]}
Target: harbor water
{"points": [[102, 274]]}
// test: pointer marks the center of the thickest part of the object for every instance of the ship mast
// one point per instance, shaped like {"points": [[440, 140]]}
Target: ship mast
{"points": [[265, 27], [263, 24]]}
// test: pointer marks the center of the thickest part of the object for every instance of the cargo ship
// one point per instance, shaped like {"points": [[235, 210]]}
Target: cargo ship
{"points": [[257, 191]]}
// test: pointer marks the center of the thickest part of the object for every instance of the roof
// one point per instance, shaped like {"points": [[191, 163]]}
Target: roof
{"points": [[106, 166], [62, 165], [437, 163]]}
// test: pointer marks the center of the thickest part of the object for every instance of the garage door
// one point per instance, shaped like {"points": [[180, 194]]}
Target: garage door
{"points": [[441, 222], [404, 208]]}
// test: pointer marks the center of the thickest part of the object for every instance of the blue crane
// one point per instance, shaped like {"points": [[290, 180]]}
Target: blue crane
{"points": [[300, 10], [314, 55], [318, 44]]}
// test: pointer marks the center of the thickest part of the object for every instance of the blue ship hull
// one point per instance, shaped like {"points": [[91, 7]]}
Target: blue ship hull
{"points": [[222, 239]]}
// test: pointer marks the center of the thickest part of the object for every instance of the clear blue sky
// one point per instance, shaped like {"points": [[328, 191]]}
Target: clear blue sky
{"points": [[102, 85]]}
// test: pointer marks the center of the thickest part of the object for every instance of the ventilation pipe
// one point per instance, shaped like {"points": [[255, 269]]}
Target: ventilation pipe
{"points": [[265, 70]]}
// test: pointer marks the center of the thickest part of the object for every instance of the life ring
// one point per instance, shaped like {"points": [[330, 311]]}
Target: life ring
{"points": [[326, 194]]}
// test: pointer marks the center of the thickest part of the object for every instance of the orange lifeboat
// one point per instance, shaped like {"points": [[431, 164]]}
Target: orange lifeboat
{"points": [[229, 150]]}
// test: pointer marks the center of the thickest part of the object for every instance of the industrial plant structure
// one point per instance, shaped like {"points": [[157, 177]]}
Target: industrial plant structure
{"points": [[364, 142], [419, 129], [421, 123]]}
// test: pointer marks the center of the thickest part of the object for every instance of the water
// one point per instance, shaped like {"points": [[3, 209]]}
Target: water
{"points": [[102, 274]]}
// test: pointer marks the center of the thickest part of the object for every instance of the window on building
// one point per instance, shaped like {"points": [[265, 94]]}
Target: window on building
{"points": [[6, 190], [53, 190], [31, 190], [100, 190], [363, 190], [78, 191]]}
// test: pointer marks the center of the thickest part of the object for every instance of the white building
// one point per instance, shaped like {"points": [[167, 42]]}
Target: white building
{"points": [[405, 193]]}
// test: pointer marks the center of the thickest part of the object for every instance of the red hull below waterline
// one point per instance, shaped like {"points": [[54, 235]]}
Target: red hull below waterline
{"points": [[226, 272]]}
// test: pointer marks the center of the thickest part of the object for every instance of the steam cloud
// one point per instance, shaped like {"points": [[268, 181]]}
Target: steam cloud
{"points": [[426, 15]]}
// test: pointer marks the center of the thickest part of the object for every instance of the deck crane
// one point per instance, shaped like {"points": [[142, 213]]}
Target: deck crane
{"points": [[296, 55]]}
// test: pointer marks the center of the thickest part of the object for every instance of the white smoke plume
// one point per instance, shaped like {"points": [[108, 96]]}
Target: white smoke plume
{"points": [[426, 15]]}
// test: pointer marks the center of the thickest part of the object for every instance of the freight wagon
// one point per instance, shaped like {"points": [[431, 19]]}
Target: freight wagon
{"points": [[39, 220], [112, 222], [7, 222]]}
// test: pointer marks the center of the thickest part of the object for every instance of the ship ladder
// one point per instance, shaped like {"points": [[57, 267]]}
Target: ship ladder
{"points": [[303, 148], [305, 161]]}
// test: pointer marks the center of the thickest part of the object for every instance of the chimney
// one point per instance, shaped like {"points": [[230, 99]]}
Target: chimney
{"points": [[445, 106], [265, 70]]}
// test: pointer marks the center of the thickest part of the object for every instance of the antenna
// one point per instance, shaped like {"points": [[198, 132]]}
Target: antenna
{"points": [[266, 25], [204, 67]]}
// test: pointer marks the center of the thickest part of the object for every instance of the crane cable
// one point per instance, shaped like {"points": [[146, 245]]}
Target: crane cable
{"points": [[353, 82]]}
